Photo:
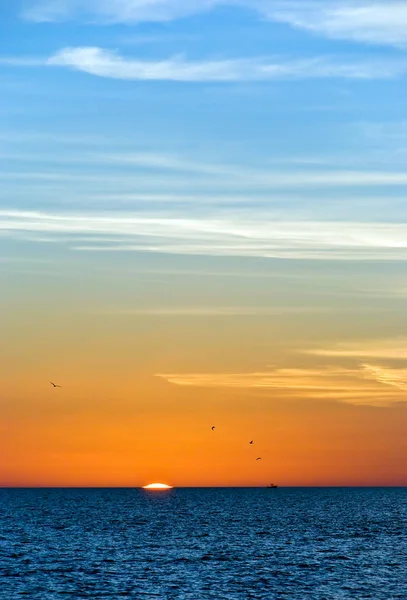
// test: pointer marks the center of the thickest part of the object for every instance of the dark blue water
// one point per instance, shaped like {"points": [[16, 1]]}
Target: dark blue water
{"points": [[204, 543]]}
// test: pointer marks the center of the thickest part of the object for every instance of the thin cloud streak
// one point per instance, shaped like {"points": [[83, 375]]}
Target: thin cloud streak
{"points": [[331, 384], [105, 63], [366, 21], [24, 61], [210, 311], [392, 349], [280, 378], [387, 376], [372, 22], [291, 172], [233, 234], [245, 251], [115, 11], [250, 178], [109, 64]]}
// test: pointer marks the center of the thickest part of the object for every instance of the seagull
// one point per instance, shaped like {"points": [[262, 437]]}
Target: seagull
{"points": [[213, 427], [258, 458], [55, 385], [252, 442]]}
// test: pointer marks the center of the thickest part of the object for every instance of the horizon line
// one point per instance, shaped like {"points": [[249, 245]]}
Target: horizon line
{"points": [[136, 487]]}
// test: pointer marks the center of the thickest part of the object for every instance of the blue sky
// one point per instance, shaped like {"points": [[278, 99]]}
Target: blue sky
{"points": [[237, 128]]}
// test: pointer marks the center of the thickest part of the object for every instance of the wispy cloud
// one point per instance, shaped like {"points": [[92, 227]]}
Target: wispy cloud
{"points": [[23, 61], [332, 384], [210, 311], [24, 260], [115, 11], [101, 62], [163, 161], [301, 379], [387, 376], [105, 63], [367, 21], [162, 38], [392, 349], [236, 178], [231, 234]]}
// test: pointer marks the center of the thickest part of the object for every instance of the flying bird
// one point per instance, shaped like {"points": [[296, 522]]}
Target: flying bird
{"points": [[258, 458], [252, 442], [55, 385], [213, 427]]}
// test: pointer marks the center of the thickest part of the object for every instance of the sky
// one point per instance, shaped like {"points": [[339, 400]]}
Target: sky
{"points": [[203, 221]]}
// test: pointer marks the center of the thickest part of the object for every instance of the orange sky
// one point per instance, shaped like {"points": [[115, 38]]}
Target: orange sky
{"points": [[321, 392]]}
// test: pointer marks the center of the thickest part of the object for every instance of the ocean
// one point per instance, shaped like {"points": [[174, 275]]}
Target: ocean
{"points": [[192, 544]]}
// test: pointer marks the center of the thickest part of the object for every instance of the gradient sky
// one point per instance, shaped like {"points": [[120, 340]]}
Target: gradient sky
{"points": [[203, 221]]}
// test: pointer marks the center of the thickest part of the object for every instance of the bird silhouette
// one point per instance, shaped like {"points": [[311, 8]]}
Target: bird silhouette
{"points": [[258, 458], [252, 442], [55, 385], [213, 427]]}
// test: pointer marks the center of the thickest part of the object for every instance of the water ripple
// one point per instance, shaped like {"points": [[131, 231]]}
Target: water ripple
{"points": [[193, 544]]}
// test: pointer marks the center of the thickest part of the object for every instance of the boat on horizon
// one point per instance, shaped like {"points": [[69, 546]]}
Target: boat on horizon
{"points": [[272, 486]]}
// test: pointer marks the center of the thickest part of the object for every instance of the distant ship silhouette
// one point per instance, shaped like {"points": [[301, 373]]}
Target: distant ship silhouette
{"points": [[272, 485]]}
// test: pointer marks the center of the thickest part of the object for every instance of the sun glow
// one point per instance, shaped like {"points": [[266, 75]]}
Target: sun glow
{"points": [[157, 486]]}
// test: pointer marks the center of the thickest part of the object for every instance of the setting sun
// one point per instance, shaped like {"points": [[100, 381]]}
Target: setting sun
{"points": [[157, 486]]}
